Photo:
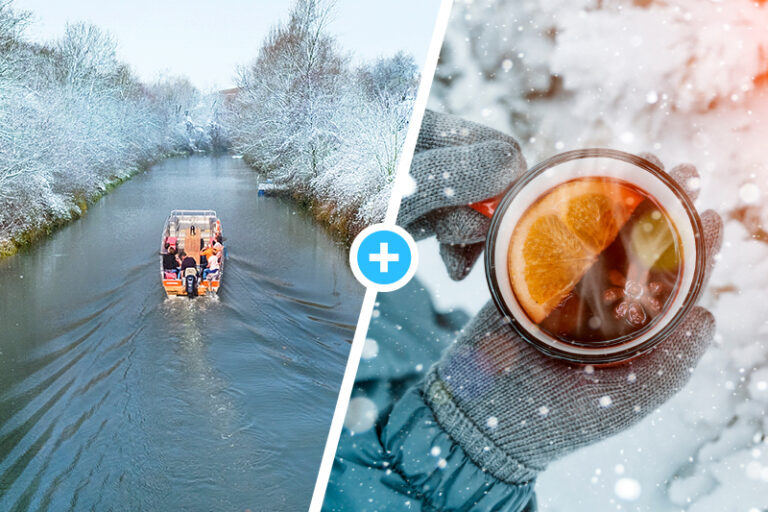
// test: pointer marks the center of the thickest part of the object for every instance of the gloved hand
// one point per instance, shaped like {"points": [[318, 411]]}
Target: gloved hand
{"points": [[456, 163], [510, 407]]}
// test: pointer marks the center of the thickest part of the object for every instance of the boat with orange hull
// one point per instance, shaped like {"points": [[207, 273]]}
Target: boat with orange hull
{"points": [[196, 233]]}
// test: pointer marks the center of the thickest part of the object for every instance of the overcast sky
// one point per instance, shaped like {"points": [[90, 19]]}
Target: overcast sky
{"points": [[205, 39]]}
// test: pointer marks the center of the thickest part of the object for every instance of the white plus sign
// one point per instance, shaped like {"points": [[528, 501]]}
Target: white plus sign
{"points": [[383, 257]]}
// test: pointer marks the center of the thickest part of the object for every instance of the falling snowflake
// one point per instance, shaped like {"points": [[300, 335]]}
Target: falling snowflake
{"points": [[627, 489], [370, 349], [749, 193], [361, 414]]}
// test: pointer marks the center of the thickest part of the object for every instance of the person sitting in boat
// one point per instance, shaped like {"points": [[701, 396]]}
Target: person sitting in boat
{"points": [[205, 255], [218, 245], [170, 262], [187, 261], [213, 266]]}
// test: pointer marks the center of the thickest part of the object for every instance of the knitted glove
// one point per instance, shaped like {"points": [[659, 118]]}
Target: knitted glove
{"points": [[511, 408], [457, 163]]}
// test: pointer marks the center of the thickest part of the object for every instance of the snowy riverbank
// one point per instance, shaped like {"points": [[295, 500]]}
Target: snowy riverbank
{"points": [[69, 209], [331, 132], [75, 123]]}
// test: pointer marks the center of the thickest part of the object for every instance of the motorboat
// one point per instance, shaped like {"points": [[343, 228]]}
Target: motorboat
{"points": [[196, 232]]}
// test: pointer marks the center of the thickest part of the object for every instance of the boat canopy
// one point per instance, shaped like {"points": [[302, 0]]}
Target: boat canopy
{"points": [[180, 220]]}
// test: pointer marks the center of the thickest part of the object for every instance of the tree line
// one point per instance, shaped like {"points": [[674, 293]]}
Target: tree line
{"points": [[74, 120], [330, 131]]}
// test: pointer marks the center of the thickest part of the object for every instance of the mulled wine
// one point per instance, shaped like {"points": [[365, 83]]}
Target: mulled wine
{"points": [[594, 256]]}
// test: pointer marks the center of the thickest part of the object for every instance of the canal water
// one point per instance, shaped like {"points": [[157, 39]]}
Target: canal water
{"points": [[113, 397]]}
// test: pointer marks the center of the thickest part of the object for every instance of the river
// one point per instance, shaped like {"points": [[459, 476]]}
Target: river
{"points": [[113, 397]]}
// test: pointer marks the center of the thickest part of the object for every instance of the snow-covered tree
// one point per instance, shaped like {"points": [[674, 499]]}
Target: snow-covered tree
{"points": [[332, 133], [74, 119], [372, 119], [287, 97]]}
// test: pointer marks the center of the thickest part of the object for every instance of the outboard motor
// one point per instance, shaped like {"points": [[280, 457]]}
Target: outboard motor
{"points": [[190, 282]]}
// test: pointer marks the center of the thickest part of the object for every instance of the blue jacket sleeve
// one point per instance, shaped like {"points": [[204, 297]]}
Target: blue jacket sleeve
{"points": [[406, 461], [410, 463]]}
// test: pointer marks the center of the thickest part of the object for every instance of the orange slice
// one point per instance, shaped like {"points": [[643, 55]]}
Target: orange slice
{"points": [[561, 235]]}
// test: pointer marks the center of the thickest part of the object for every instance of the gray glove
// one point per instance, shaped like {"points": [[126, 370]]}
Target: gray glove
{"points": [[510, 407], [457, 163]]}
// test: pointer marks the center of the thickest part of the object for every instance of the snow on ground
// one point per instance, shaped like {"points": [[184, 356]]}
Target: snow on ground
{"points": [[686, 80]]}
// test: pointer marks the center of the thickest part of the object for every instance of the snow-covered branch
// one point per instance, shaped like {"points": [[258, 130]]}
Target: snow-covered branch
{"points": [[306, 118], [74, 119]]}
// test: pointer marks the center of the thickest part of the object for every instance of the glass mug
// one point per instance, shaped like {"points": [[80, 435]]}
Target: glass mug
{"points": [[594, 256]]}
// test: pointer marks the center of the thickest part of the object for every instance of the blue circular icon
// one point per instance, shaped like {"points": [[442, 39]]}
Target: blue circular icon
{"points": [[383, 257]]}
